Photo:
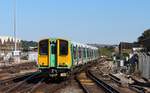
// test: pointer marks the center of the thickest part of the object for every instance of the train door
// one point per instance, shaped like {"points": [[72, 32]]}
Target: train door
{"points": [[53, 46], [75, 55]]}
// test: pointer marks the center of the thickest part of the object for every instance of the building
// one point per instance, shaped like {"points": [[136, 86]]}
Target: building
{"points": [[7, 44], [125, 47]]}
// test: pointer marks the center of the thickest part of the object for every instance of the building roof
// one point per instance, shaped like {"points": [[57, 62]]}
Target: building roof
{"points": [[8, 38]]}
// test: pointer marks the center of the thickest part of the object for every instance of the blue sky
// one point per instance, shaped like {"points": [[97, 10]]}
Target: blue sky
{"points": [[92, 21]]}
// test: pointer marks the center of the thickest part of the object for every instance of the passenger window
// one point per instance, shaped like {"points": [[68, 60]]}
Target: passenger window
{"points": [[63, 47], [79, 52], [74, 51], [84, 53], [87, 53]]}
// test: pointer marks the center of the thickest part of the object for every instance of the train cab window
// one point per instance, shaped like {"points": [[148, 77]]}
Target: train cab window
{"points": [[63, 47], [43, 47]]}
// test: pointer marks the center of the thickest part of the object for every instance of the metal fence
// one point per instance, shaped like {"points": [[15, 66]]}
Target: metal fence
{"points": [[144, 64]]}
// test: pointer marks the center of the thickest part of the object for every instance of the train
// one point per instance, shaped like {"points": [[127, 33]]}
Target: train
{"points": [[58, 57]]}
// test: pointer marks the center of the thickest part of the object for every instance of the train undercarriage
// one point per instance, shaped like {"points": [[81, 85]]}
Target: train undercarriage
{"points": [[55, 72]]}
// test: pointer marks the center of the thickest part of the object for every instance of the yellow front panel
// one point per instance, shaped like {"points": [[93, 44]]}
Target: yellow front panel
{"points": [[43, 60], [63, 60]]}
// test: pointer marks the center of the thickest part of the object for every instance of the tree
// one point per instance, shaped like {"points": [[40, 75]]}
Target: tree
{"points": [[145, 35], [26, 44], [107, 51]]}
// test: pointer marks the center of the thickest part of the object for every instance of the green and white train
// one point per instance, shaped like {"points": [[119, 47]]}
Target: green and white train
{"points": [[59, 57]]}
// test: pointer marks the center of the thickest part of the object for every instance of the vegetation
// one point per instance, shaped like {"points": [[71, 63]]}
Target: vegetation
{"points": [[145, 35], [26, 44], [106, 51]]}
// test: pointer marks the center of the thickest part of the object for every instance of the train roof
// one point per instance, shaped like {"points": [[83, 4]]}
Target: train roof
{"points": [[84, 45], [74, 43]]}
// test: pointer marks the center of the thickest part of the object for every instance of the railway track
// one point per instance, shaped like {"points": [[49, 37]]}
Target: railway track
{"points": [[15, 78], [30, 88], [107, 88], [48, 87], [88, 83], [16, 83], [32, 83], [85, 89], [138, 89], [21, 85], [91, 84], [115, 79]]}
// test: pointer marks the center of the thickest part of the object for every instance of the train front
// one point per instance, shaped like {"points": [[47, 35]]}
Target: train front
{"points": [[54, 57]]}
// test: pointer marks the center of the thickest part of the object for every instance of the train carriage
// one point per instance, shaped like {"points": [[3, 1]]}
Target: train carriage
{"points": [[58, 57]]}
